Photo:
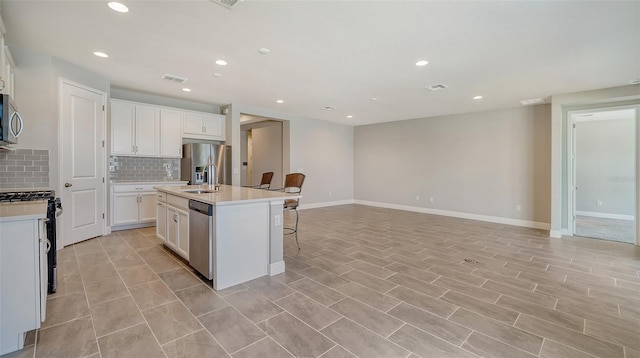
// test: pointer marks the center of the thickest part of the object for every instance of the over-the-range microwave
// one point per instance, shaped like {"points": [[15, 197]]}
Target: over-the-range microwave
{"points": [[11, 124]]}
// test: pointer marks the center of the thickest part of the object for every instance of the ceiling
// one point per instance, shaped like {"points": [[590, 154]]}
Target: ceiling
{"points": [[343, 53]]}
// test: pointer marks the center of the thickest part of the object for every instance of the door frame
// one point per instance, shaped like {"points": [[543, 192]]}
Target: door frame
{"points": [[61, 160], [571, 167]]}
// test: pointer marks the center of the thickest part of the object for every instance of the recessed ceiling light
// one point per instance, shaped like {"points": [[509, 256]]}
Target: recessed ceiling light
{"points": [[221, 62], [217, 74], [328, 108], [422, 63], [264, 51], [116, 6], [279, 101], [477, 97], [186, 89], [349, 116], [101, 54]]}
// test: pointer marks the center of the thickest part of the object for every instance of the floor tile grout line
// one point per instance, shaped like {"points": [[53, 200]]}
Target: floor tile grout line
{"points": [[84, 288], [134, 301]]}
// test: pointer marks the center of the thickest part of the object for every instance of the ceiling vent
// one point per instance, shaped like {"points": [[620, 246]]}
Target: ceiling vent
{"points": [[436, 87], [226, 3], [530, 102], [174, 78]]}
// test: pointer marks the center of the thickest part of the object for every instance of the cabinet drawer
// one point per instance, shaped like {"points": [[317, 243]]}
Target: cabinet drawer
{"points": [[178, 202], [161, 197], [132, 188]]}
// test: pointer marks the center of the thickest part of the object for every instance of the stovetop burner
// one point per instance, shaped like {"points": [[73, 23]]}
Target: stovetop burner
{"points": [[26, 195]]}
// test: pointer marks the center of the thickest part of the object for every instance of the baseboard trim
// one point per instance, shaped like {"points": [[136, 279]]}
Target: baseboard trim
{"points": [[325, 204], [132, 226], [594, 214], [457, 214], [276, 268]]}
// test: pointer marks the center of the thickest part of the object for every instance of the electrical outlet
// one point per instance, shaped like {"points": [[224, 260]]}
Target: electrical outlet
{"points": [[599, 203], [330, 193], [417, 197], [276, 220], [166, 165], [518, 207], [431, 199]]}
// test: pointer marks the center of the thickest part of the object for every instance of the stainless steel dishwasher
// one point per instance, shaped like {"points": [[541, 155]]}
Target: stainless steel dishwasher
{"points": [[201, 237]]}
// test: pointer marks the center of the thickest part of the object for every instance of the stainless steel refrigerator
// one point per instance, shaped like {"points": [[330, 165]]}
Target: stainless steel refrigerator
{"points": [[196, 156]]}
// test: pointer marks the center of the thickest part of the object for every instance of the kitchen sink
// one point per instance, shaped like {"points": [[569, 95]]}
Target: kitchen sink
{"points": [[200, 191]]}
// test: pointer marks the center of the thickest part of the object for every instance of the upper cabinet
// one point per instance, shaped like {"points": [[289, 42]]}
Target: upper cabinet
{"points": [[204, 126], [135, 129], [144, 130], [170, 133], [7, 83]]}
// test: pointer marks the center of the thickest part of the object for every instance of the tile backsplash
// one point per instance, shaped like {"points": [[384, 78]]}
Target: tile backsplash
{"points": [[24, 168], [134, 168]]}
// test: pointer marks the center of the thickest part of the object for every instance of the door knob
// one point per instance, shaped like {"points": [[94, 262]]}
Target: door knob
{"points": [[66, 185]]}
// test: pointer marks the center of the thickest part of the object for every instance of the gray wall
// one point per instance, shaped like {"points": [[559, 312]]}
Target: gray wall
{"points": [[605, 166], [481, 163], [37, 96], [322, 150], [267, 153]]}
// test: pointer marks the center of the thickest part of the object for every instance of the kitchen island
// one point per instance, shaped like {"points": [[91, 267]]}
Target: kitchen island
{"points": [[246, 233]]}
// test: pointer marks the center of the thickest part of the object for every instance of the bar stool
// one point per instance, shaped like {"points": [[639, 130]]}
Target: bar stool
{"points": [[293, 184], [265, 182]]}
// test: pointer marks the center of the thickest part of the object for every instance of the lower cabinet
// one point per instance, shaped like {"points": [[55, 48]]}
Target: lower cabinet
{"points": [[134, 205], [23, 283], [174, 215]]}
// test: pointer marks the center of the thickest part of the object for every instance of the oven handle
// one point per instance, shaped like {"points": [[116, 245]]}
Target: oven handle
{"points": [[48, 243]]}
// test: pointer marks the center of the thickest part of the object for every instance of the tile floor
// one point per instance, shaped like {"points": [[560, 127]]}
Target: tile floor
{"points": [[606, 229], [368, 282]]}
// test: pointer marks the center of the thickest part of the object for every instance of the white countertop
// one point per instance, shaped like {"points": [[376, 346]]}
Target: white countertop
{"points": [[228, 194], [23, 210], [140, 182]]}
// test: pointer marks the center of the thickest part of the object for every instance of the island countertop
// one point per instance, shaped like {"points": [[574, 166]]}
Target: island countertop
{"points": [[227, 195]]}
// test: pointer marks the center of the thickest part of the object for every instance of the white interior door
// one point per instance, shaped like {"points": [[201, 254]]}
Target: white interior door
{"points": [[83, 155]]}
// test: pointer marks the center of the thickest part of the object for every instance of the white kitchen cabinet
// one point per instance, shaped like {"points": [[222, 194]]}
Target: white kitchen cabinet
{"points": [[161, 221], [170, 133], [135, 129], [201, 125], [23, 276], [177, 225], [135, 205]]}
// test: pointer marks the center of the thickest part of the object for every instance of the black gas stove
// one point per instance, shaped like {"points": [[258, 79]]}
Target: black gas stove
{"points": [[54, 209]]}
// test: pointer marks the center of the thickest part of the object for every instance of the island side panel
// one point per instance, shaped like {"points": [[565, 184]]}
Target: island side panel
{"points": [[241, 243], [276, 250]]}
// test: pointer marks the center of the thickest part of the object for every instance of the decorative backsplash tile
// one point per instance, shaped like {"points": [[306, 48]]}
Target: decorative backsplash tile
{"points": [[24, 168], [134, 168]]}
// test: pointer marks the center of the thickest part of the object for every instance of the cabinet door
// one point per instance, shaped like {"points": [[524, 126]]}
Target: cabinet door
{"points": [[122, 128], [147, 131], [172, 228], [183, 233], [125, 208], [170, 133], [147, 207], [193, 123], [161, 221], [214, 126], [44, 269]]}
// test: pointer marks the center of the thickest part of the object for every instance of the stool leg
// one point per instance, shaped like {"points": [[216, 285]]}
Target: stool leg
{"points": [[296, 228]]}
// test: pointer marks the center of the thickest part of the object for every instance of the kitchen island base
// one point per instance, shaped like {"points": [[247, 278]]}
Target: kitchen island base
{"points": [[246, 231]]}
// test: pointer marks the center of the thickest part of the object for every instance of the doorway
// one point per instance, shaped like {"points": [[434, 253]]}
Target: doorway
{"points": [[82, 157], [603, 172], [261, 150]]}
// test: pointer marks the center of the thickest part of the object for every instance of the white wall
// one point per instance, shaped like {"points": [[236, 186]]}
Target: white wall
{"points": [[481, 163], [605, 166]]}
